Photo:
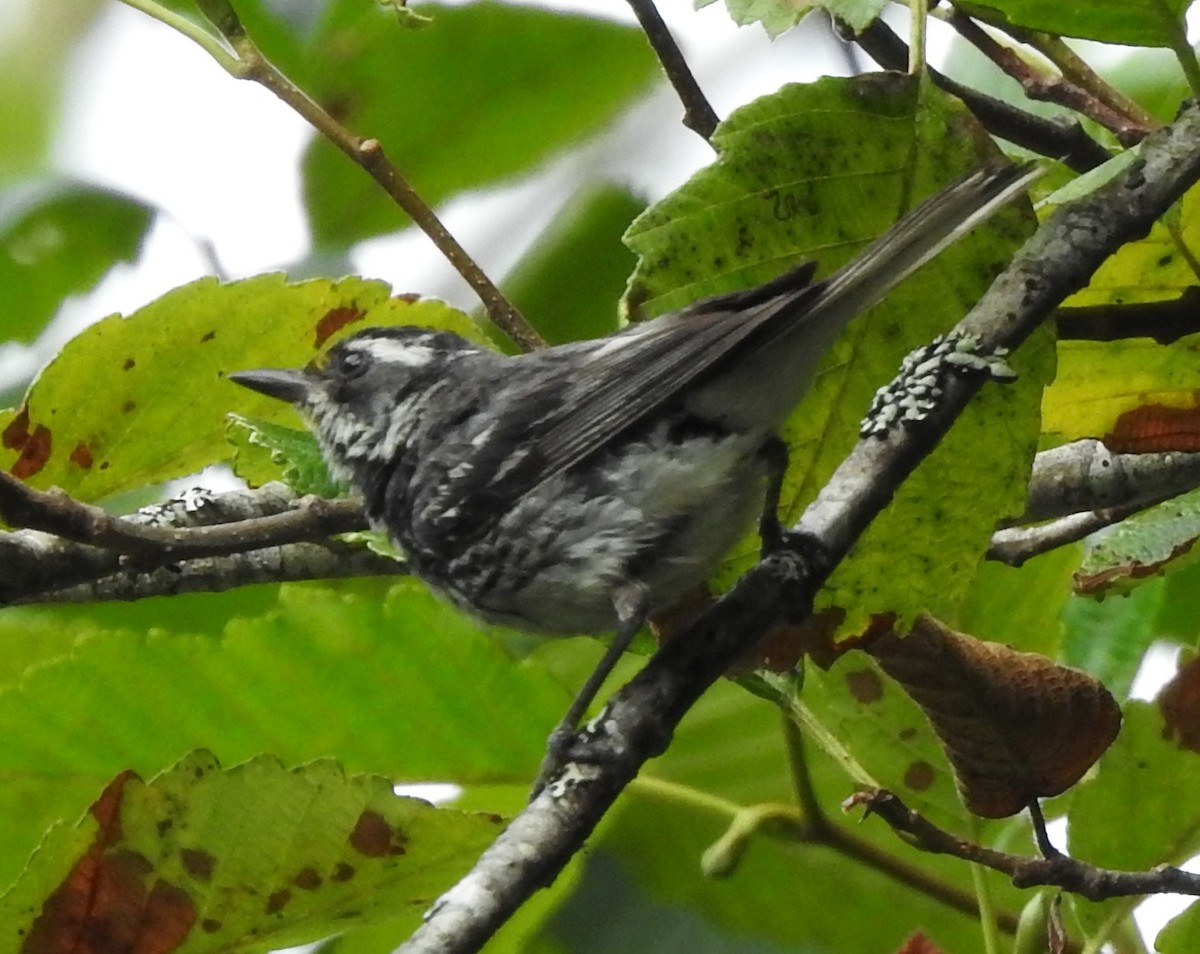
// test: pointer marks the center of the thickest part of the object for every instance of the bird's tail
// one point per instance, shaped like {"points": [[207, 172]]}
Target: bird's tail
{"points": [[920, 235]]}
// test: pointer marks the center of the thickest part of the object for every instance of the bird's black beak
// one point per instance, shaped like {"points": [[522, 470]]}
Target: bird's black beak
{"points": [[281, 383]]}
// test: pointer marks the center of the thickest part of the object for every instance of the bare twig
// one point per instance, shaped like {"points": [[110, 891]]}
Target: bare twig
{"points": [[918, 15], [1081, 74], [247, 62], [1163, 321], [58, 513], [1063, 139], [1048, 87], [1016, 545], [812, 826], [1086, 475], [199, 541], [1083, 487], [698, 114], [1095, 884], [638, 721], [294, 562]]}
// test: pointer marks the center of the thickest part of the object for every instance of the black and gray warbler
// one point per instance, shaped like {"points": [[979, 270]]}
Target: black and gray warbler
{"points": [[584, 487]]}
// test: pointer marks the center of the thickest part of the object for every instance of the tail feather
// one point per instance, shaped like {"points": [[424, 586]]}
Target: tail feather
{"points": [[920, 235]]}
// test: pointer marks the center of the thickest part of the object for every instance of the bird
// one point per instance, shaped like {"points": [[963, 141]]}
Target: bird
{"points": [[588, 486]]}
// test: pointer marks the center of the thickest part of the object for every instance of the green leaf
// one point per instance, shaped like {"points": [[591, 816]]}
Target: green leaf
{"points": [[1109, 637], [772, 199], [1182, 934], [484, 94], [1020, 606], [251, 858], [1130, 816], [40, 40], [378, 672], [1158, 267], [569, 282], [1099, 382], [57, 239], [887, 734], [1150, 542], [139, 400], [1152, 78], [295, 457], [1158, 23]]}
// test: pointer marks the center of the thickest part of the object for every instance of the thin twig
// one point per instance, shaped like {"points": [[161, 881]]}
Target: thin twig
{"points": [[814, 827], [248, 62], [918, 15], [1081, 74], [1059, 138], [1088, 881], [42, 567], [291, 563], [1044, 86], [1186, 55], [56, 512], [698, 114], [1015, 546], [1163, 321]]}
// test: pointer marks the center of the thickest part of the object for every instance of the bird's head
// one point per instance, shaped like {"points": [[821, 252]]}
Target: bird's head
{"points": [[365, 397]]}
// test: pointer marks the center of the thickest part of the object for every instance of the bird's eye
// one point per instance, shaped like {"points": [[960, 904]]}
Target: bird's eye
{"points": [[351, 364]]}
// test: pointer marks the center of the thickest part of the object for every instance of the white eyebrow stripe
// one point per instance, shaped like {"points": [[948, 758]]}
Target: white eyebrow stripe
{"points": [[386, 350]]}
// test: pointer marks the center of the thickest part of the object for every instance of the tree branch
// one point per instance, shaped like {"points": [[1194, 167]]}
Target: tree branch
{"points": [[80, 552], [638, 721], [698, 114], [1088, 881], [1062, 139], [247, 62], [1083, 487], [293, 562], [1163, 321], [1016, 545], [1129, 128], [58, 513], [1086, 475], [1081, 74]]}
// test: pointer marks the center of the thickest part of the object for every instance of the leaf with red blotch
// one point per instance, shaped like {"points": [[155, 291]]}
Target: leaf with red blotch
{"points": [[1015, 726], [255, 857], [1158, 540], [1141, 395], [142, 399]]}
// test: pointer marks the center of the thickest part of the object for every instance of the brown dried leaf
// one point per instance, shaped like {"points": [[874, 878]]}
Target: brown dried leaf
{"points": [[1155, 428], [1014, 725], [1179, 703]]}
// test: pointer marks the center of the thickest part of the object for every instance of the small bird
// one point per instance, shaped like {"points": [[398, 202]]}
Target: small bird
{"points": [[585, 487]]}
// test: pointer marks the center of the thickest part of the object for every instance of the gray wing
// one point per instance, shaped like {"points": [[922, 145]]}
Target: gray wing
{"points": [[564, 403], [632, 374], [625, 378]]}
